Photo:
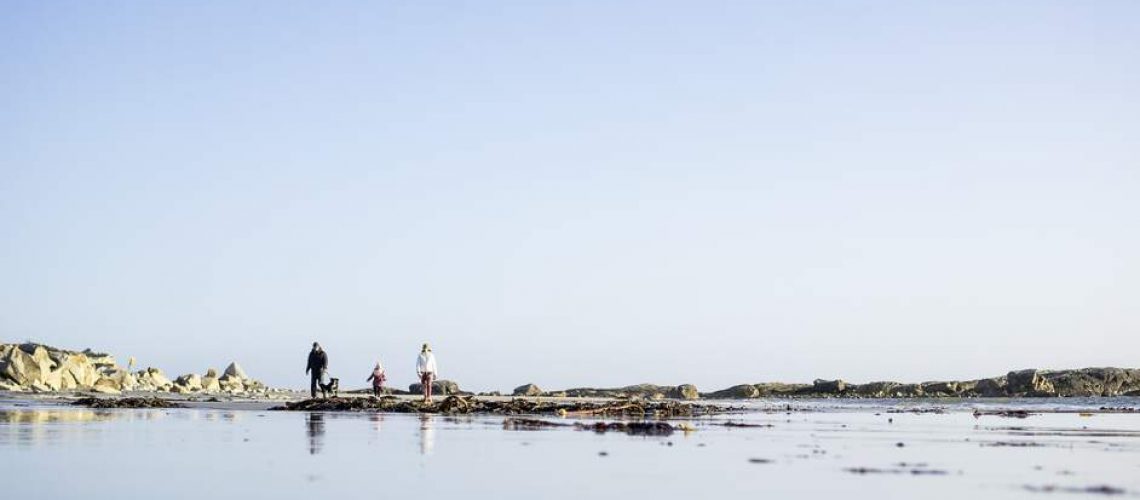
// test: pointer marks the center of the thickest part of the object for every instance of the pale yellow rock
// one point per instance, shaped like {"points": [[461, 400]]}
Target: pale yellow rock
{"points": [[210, 384], [103, 389]]}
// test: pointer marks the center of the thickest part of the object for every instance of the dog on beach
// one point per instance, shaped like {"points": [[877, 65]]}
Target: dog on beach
{"points": [[333, 386]]}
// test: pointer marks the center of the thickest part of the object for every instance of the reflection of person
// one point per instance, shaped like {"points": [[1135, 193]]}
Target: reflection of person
{"points": [[316, 432], [377, 379], [425, 368], [318, 363], [427, 435]]}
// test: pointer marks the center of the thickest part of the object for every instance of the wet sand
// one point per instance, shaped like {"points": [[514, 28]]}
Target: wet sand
{"points": [[818, 449]]}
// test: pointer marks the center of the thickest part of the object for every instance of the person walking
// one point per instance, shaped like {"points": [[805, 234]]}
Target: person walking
{"points": [[318, 364], [377, 379], [426, 369]]}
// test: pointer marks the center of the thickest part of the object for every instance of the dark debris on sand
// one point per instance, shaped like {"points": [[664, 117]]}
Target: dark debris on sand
{"points": [[631, 428], [468, 405], [1098, 489], [1002, 413], [152, 402]]}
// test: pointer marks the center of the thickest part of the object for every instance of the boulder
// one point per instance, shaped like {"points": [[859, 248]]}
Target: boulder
{"points": [[742, 391], [685, 391], [105, 389], [828, 387], [907, 391], [153, 378], [231, 384], [53, 379], [211, 384], [990, 387], [107, 384], [234, 370], [779, 389], [1028, 383], [527, 390], [940, 389], [80, 369], [882, 389], [189, 382], [438, 388], [22, 368]]}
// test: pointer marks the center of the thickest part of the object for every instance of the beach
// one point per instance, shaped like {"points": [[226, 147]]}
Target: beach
{"points": [[930, 448]]}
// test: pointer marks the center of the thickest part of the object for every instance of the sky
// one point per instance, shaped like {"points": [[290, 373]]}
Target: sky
{"points": [[575, 193]]}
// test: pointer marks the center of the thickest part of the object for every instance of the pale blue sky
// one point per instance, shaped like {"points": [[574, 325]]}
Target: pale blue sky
{"points": [[575, 193]]}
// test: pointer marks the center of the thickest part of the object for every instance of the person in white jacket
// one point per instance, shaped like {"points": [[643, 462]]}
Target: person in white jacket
{"points": [[425, 368]]}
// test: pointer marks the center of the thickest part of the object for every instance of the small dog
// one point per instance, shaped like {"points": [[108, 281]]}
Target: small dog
{"points": [[333, 386]]}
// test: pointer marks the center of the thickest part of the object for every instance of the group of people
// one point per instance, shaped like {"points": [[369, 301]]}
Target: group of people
{"points": [[318, 367]]}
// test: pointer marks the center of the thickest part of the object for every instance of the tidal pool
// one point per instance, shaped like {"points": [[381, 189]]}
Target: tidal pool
{"points": [[859, 450]]}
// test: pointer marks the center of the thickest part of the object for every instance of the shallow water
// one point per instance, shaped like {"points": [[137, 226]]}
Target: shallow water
{"points": [[849, 449]]}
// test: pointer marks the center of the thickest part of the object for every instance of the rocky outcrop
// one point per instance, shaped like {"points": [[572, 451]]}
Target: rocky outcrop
{"points": [[40, 368], [1018, 383], [527, 390]]}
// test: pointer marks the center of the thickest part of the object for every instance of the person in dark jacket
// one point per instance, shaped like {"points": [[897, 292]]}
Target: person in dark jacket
{"points": [[318, 363]]}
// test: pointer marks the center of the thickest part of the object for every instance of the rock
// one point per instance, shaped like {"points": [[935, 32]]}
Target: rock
{"points": [[742, 391], [123, 379], [527, 390], [685, 391], [154, 379], [990, 387], [7, 385], [1094, 381], [907, 391], [779, 389], [80, 369], [232, 384], [210, 384], [940, 389], [105, 389], [108, 385], [210, 372], [1028, 383], [883, 389], [828, 387], [190, 382], [234, 370], [438, 387], [53, 379], [20, 368]]}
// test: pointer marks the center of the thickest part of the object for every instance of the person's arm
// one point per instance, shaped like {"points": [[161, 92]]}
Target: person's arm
{"points": [[370, 377]]}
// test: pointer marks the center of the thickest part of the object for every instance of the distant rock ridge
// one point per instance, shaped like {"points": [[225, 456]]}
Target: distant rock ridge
{"points": [[40, 368], [1084, 382]]}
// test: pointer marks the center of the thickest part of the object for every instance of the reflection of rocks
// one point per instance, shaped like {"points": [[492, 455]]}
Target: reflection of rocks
{"points": [[40, 368]]}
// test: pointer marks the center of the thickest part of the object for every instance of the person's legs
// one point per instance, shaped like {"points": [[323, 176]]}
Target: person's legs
{"points": [[427, 386], [313, 379]]}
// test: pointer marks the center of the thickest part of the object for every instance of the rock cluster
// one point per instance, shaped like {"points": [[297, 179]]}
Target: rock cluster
{"points": [[519, 406], [1021, 383], [643, 391], [40, 368], [438, 388]]}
